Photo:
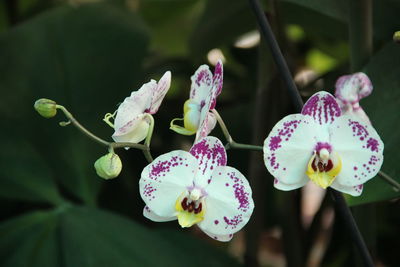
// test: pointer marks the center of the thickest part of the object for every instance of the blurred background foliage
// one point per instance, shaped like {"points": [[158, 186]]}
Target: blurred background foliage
{"points": [[88, 55]]}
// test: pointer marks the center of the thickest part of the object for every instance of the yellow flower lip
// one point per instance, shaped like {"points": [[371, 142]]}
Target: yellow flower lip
{"points": [[191, 119], [323, 167], [190, 211]]}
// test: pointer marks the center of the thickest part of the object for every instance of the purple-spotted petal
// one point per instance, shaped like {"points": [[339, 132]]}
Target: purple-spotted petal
{"points": [[154, 217], [222, 238], [134, 131], [217, 82], [159, 92], [165, 179], [210, 153], [229, 203], [201, 85], [207, 124], [355, 191], [322, 107], [360, 149], [134, 105], [352, 88], [287, 187], [290, 145]]}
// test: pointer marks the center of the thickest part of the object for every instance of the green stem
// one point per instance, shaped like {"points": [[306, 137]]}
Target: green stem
{"points": [[389, 180], [80, 127], [231, 143], [111, 145]]}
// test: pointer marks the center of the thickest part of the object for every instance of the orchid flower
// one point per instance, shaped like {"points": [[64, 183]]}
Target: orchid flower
{"points": [[197, 187], [133, 118], [323, 146], [350, 89], [204, 90]]}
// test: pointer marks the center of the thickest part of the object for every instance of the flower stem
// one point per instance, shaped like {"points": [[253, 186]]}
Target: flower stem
{"points": [[295, 96], [355, 234], [80, 127], [280, 61], [389, 180], [111, 145], [232, 144]]}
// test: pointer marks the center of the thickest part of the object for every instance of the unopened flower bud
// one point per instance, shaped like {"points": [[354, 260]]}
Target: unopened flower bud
{"points": [[46, 107], [396, 37], [108, 166]]}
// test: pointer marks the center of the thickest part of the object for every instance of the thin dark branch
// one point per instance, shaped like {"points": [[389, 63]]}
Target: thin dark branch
{"points": [[355, 234], [280, 61]]}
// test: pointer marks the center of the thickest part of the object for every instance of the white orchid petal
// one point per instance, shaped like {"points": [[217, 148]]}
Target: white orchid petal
{"points": [[210, 153], [134, 105], [323, 107], [217, 82], [133, 131], [165, 179], [360, 149], [228, 203], [159, 92], [207, 125], [201, 84], [352, 88], [222, 238], [287, 187], [355, 190], [290, 145], [149, 214]]}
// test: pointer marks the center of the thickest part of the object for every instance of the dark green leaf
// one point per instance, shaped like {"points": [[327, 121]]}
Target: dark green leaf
{"points": [[87, 58], [382, 106], [77, 236]]}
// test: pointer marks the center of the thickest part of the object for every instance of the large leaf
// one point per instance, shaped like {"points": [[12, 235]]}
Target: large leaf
{"points": [[87, 58], [24, 173], [77, 236], [383, 110]]}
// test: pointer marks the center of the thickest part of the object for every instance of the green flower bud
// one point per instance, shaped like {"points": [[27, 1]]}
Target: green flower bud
{"points": [[46, 107], [108, 166], [396, 37]]}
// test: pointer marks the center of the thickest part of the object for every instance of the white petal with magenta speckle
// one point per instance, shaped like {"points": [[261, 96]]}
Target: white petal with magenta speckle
{"points": [[149, 214], [322, 107], [159, 92], [210, 153], [290, 145], [165, 179], [360, 149], [355, 191], [222, 238], [287, 187], [228, 203]]}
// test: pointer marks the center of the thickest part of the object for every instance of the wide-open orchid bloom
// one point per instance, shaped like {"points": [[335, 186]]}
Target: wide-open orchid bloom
{"points": [[133, 117], [204, 90], [323, 146], [197, 187], [350, 89]]}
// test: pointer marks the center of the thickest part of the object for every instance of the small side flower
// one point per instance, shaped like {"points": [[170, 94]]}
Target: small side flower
{"points": [[132, 119], [197, 118]]}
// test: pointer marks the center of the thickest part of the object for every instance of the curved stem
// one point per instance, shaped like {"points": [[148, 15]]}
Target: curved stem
{"points": [[389, 180], [80, 127], [232, 144], [280, 61], [111, 145]]}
